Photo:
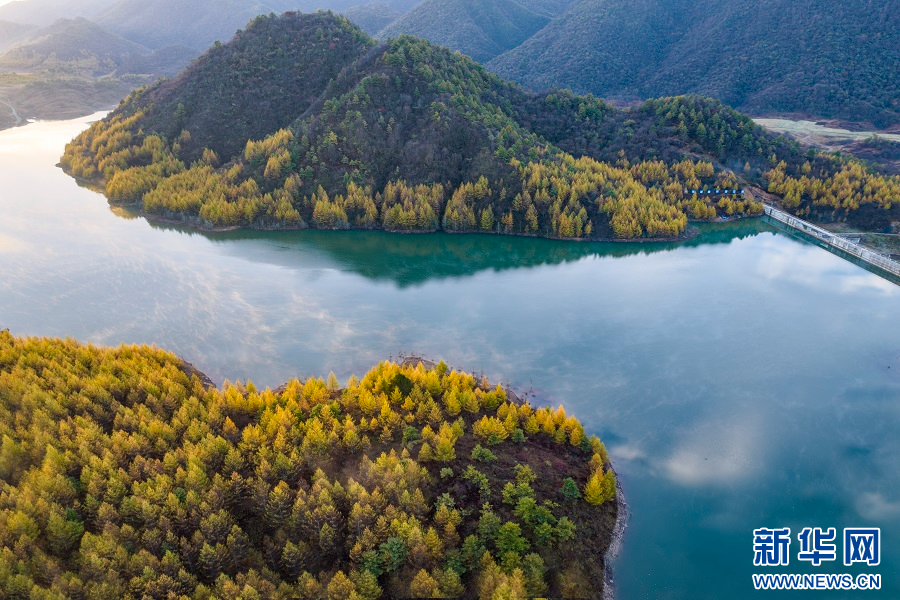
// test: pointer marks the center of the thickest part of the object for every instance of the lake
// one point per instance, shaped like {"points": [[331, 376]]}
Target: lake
{"points": [[744, 379]]}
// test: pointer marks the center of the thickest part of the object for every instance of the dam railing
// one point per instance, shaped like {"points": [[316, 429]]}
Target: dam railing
{"points": [[835, 241]]}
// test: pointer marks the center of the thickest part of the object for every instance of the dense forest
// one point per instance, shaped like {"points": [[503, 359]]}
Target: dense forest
{"points": [[123, 475], [328, 129], [825, 58]]}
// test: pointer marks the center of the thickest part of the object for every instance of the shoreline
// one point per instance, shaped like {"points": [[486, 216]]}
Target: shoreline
{"points": [[97, 186], [618, 539], [154, 218], [689, 234]]}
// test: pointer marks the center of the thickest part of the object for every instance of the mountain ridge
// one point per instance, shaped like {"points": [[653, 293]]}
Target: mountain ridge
{"points": [[77, 42], [404, 135], [819, 57], [481, 29]]}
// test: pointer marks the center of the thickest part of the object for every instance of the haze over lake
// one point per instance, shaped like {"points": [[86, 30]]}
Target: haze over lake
{"points": [[745, 379]]}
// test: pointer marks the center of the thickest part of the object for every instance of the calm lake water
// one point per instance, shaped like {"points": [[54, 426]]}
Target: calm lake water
{"points": [[742, 380]]}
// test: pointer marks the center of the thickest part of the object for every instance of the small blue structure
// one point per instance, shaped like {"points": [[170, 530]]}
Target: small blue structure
{"points": [[716, 192]]}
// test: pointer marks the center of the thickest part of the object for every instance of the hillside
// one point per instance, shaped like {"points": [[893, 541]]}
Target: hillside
{"points": [[481, 29], [820, 57], [124, 475], [409, 136], [254, 88]]}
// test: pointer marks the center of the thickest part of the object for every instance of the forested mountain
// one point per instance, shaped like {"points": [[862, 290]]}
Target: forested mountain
{"points": [[254, 86], [75, 66], [303, 120], [481, 29], [823, 57], [125, 476]]}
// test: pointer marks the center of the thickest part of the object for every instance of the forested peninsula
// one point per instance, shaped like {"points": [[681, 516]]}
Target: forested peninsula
{"points": [[305, 121], [125, 475]]}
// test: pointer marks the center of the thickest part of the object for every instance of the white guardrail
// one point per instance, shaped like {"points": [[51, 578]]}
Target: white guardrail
{"points": [[836, 241]]}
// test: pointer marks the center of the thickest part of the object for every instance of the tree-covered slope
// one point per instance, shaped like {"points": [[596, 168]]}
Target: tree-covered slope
{"points": [[124, 476], [597, 46], [481, 29], [258, 83], [821, 57], [409, 136]]}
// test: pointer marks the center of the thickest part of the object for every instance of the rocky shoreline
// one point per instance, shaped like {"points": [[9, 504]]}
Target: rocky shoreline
{"points": [[618, 538]]}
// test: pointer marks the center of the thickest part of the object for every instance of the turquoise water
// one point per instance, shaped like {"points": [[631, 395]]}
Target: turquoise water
{"points": [[745, 379]]}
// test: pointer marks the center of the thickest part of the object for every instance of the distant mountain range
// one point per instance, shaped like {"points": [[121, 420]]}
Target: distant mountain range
{"points": [[78, 46], [827, 58], [10, 33], [482, 29], [818, 58]]}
